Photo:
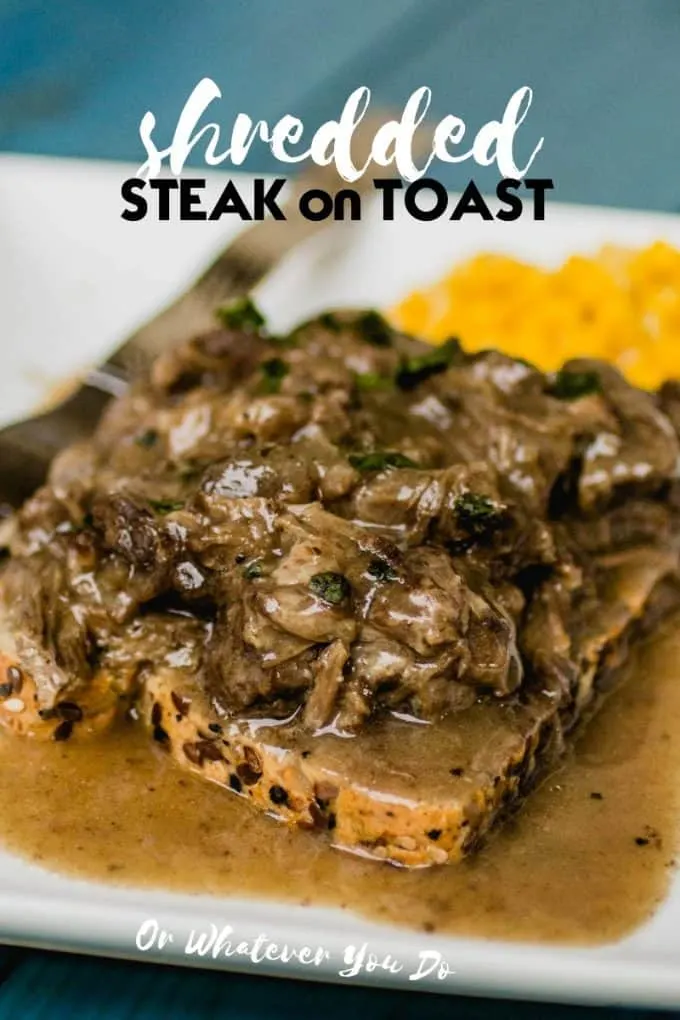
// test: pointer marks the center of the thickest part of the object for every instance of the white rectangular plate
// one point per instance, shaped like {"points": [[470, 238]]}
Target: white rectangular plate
{"points": [[74, 279]]}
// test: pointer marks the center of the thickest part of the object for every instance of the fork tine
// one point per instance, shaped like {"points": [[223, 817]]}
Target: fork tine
{"points": [[27, 448], [243, 264]]}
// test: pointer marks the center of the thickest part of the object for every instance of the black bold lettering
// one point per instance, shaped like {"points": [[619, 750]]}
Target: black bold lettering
{"points": [[129, 193], [539, 186], [164, 186], [504, 191], [441, 199], [388, 189], [264, 199], [316, 195], [471, 201], [350, 198], [188, 198], [230, 202]]}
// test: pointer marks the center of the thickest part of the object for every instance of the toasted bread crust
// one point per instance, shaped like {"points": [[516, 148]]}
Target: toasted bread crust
{"points": [[96, 709], [303, 787], [299, 791]]}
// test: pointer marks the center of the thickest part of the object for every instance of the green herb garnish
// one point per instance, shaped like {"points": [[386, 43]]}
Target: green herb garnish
{"points": [[330, 322], [373, 329], [282, 342], [252, 570], [85, 523], [190, 470], [371, 381], [241, 314], [380, 461], [147, 439], [413, 371], [381, 570], [477, 514], [273, 371], [331, 587], [166, 506], [568, 385]]}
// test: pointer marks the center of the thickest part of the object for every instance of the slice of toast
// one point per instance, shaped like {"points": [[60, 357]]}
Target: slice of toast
{"points": [[403, 791], [412, 794]]}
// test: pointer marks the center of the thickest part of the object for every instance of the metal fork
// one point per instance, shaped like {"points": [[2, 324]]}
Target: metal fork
{"points": [[28, 447]]}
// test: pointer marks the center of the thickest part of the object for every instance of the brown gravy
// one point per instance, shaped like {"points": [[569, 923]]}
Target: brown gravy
{"points": [[587, 860]]}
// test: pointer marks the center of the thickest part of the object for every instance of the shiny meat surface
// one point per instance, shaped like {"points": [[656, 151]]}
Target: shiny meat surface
{"points": [[341, 522]]}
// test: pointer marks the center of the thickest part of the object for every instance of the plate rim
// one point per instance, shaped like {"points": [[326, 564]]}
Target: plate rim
{"points": [[490, 967]]}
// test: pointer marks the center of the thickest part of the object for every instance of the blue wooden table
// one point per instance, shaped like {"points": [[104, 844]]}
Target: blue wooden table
{"points": [[75, 78]]}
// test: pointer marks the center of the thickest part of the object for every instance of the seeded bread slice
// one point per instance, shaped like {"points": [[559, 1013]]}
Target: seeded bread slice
{"points": [[79, 713], [400, 791], [397, 792], [408, 793], [96, 709]]}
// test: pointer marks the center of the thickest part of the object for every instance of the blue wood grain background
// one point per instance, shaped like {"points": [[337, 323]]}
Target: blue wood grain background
{"points": [[77, 75]]}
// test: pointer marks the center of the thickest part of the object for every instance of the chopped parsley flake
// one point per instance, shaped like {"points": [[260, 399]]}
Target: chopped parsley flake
{"points": [[330, 586], [373, 329], [85, 523], [413, 371], [371, 381], [190, 470], [282, 341], [381, 570], [568, 385], [273, 371], [147, 439], [241, 314], [380, 461], [166, 506], [330, 322], [477, 514], [252, 570]]}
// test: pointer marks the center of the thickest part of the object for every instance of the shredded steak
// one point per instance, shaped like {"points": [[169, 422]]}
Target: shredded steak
{"points": [[296, 540]]}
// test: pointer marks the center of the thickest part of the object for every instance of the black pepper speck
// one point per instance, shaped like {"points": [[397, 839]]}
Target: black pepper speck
{"points": [[16, 678], [70, 711], [247, 774], [278, 795], [63, 730]]}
